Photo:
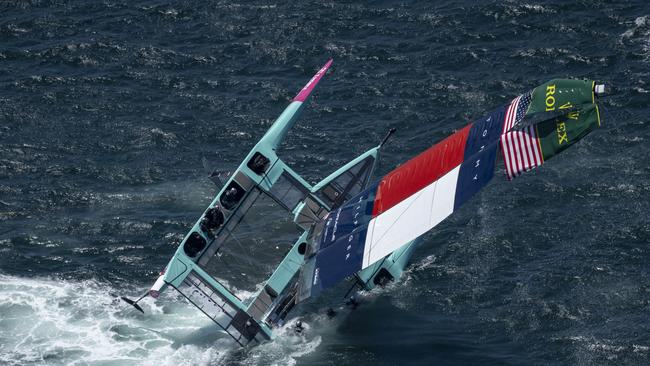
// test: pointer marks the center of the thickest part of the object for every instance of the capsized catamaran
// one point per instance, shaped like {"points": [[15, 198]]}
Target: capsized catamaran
{"points": [[348, 227]]}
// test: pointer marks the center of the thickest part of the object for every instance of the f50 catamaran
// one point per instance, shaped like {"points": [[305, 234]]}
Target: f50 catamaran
{"points": [[346, 227]]}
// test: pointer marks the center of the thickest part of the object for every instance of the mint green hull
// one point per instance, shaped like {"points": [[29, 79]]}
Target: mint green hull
{"points": [[261, 175]]}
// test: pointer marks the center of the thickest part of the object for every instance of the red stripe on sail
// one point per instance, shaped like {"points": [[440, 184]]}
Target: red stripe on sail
{"points": [[529, 149], [523, 150], [515, 151], [511, 114], [420, 171], [507, 143], [515, 143]]}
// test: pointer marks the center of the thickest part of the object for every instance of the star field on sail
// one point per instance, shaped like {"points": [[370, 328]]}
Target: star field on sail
{"points": [[421, 193]]}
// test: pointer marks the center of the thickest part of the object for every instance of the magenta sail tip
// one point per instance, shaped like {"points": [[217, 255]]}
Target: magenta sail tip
{"points": [[306, 90]]}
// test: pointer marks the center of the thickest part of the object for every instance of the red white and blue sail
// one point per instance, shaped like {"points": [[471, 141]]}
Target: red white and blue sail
{"points": [[410, 200], [418, 195]]}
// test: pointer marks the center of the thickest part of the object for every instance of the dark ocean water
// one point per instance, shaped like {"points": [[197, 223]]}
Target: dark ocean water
{"points": [[107, 108]]}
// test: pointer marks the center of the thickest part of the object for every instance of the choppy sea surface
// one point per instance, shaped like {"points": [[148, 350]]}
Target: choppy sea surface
{"points": [[108, 107]]}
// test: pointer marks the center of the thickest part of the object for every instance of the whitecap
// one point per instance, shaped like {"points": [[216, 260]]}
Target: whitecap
{"points": [[62, 322]]}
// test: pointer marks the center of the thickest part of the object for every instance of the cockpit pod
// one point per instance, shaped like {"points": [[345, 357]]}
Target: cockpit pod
{"points": [[259, 163], [194, 244], [232, 195], [215, 217], [212, 220]]}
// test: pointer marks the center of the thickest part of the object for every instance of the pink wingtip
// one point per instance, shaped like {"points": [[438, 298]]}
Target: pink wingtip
{"points": [[306, 90]]}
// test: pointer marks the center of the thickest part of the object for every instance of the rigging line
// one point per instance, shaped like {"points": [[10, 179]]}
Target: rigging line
{"points": [[379, 267], [433, 198]]}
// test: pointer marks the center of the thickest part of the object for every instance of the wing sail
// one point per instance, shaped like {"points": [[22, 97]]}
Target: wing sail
{"points": [[418, 195]]}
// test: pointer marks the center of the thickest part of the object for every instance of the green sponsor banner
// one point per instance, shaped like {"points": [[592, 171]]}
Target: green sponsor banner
{"points": [[557, 134], [559, 94]]}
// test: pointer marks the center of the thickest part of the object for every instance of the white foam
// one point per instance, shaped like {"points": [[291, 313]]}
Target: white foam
{"points": [[287, 347], [639, 34], [77, 323]]}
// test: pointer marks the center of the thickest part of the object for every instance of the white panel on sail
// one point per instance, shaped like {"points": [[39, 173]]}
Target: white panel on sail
{"points": [[410, 218], [443, 202]]}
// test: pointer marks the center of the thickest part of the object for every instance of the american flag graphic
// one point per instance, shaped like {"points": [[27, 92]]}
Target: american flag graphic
{"points": [[521, 150], [516, 111]]}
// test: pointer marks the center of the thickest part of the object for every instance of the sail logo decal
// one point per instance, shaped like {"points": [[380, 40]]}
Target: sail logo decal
{"points": [[561, 133], [550, 98]]}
